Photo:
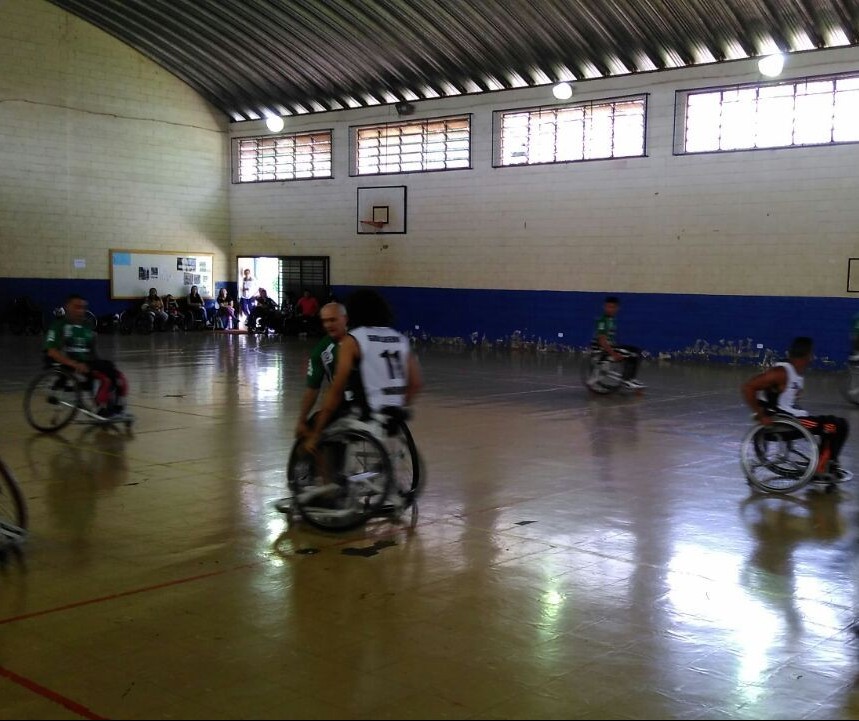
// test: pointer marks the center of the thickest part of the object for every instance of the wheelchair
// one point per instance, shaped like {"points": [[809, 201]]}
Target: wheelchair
{"points": [[783, 457], [135, 320], [13, 510], [850, 384], [56, 396], [599, 373], [360, 469]]}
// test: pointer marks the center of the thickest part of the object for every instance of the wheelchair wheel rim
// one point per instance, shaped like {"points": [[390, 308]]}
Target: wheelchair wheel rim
{"points": [[779, 458], [51, 401], [356, 480]]}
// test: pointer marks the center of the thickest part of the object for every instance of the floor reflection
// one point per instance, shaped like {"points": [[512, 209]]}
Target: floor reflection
{"points": [[574, 557]]}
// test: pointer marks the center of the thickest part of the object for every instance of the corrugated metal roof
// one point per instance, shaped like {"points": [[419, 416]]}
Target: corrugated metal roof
{"points": [[253, 58]]}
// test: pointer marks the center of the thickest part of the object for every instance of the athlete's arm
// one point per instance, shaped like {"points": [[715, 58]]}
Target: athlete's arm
{"points": [[772, 378], [348, 355]]}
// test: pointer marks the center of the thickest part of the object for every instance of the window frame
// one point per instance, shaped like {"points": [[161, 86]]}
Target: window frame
{"points": [[497, 127], [681, 98], [354, 149], [236, 155]]}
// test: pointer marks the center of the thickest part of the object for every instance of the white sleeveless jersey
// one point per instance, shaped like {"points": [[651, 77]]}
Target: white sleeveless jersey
{"points": [[786, 401], [384, 365]]}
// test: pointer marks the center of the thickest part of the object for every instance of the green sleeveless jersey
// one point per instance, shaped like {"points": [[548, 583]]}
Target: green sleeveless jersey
{"points": [[76, 341], [606, 326], [322, 363]]}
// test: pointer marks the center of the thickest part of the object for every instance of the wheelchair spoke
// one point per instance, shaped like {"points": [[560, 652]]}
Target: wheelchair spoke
{"points": [[358, 463], [780, 457], [51, 400]]}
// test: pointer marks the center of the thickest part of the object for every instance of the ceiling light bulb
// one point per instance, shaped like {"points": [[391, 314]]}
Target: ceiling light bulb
{"points": [[771, 65], [563, 91], [274, 123]]}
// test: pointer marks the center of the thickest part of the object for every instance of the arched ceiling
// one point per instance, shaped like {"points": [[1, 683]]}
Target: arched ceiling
{"points": [[253, 58]]}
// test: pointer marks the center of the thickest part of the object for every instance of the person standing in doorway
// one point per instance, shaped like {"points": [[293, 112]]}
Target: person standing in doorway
{"points": [[246, 293]]}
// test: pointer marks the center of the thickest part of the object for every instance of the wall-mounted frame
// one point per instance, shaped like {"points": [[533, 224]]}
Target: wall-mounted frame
{"points": [[381, 209], [853, 275]]}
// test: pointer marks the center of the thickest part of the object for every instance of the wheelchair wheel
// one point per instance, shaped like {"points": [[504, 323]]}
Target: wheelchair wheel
{"points": [[51, 400], [405, 463], [598, 375], [850, 387], [143, 324], [780, 457], [13, 510], [90, 321], [126, 323], [344, 483]]}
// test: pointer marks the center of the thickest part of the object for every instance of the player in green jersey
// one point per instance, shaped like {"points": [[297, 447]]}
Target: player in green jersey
{"points": [[605, 339], [71, 343]]}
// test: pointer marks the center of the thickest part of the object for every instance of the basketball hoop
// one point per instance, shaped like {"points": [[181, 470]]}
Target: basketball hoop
{"points": [[377, 224]]}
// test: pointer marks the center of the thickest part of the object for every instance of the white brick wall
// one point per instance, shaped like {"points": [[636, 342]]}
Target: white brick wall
{"points": [[766, 222], [100, 148]]}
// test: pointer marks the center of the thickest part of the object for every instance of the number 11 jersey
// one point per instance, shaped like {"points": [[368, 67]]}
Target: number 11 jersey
{"points": [[383, 367]]}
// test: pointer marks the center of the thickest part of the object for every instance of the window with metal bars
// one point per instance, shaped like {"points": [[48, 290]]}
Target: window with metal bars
{"points": [[412, 146], [584, 131], [810, 111], [300, 272], [282, 157]]}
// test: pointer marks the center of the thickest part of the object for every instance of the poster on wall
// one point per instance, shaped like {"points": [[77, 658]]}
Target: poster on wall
{"points": [[134, 272]]}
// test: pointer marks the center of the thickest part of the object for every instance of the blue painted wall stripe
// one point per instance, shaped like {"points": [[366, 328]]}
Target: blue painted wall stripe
{"points": [[657, 322]]}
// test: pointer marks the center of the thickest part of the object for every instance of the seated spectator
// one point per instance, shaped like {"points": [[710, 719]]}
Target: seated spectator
{"points": [[285, 321], [263, 314], [197, 305], [307, 312], [307, 306], [175, 319], [226, 309], [288, 305], [154, 306]]}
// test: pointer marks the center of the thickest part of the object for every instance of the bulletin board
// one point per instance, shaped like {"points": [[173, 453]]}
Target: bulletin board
{"points": [[134, 272]]}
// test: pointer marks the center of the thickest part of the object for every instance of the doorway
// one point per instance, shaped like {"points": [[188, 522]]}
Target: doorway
{"points": [[282, 275]]}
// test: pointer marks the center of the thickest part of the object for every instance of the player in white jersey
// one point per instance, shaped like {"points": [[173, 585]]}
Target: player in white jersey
{"points": [[373, 360], [776, 391], [382, 378]]}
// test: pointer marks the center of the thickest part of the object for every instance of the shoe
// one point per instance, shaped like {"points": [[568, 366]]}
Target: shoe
{"points": [[104, 412], [393, 503], [283, 505], [633, 384], [837, 473]]}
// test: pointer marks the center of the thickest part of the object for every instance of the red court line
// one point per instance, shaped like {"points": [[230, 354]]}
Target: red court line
{"points": [[80, 709], [52, 696], [123, 594], [166, 584]]}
